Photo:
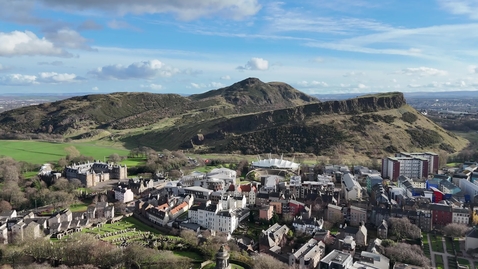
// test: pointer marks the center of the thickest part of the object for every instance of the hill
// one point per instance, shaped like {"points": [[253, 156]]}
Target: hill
{"points": [[249, 117], [252, 95], [83, 116]]}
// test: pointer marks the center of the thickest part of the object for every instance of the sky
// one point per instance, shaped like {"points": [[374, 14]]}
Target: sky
{"points": [[186, 47]]}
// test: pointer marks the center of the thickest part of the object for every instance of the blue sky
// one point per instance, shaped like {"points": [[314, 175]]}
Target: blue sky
{"points": [[184, 46]]}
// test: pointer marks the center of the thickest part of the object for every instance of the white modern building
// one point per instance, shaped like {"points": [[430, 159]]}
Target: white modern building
{"points": [[124, 195], [351, 188], [468, 187], [461, 215], [412, 167], [276, 164], [214, 217]]}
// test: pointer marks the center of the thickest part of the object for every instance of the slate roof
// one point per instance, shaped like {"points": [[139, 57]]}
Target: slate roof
{"points": [[473, 233]]}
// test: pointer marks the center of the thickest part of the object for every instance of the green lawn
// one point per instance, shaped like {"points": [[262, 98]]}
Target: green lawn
{"points": [[79, 207], [462, 261], [437, 244], [30, 174], [213, 265], [449, 246], [439, 261], [189, 254], [130, 162], [39, 152]]}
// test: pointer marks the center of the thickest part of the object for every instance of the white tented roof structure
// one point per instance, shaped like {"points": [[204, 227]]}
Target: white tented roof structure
{"points": [[275, 163]]}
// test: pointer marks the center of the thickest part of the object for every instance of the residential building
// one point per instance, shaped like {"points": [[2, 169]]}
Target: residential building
{"points": [[412, 167], [351, 188], [266, 212], [449, 188], [214, 217], [274, 236], [158, 216], [372, 181], [308, 256], [442, 214], [471, 239], [468, 187], [249, 191], [308, 226], [460, 215], [431, 157], [200, 194], [140, 185], [371, 260], [336, 260], [358, 233], [3, 233], [357, 215], [382, 230], [123, 194], [334, 213]]}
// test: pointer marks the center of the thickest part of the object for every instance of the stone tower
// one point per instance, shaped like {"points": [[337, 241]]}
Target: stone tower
{"points": [[222, 259]]}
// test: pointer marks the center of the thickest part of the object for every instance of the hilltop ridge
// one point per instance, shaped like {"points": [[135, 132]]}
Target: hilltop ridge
{"points": [[247, 117]]}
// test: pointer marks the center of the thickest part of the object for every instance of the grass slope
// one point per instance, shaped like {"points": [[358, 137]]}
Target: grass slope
{"points": [[38, 152]]}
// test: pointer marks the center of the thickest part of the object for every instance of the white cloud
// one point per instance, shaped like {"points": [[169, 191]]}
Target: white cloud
{"points": [[54, 63], [255, 64], [95, 88], [18, 80], [353, 74], [183, 9], [291, 20], [212, 85], [54, 78], [422, 71], [312, 84], [457, 85], [41, 78], [362, 86], [473, 69], [153, 86], [116, 24], [18, 43], [89, 25], [68, 38], [227, 77], [139, 70], [461, 7]]}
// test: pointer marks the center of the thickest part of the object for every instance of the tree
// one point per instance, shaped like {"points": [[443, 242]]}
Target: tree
{"points": [[456, 230], [72, 152], [10, 173], [114, 158], [409, 254], [189, 237], [403, 228], [5, 206], [264, 261]]}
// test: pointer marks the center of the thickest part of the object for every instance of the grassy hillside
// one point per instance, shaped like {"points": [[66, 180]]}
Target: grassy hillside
{"points": [[38, 152], [91, 115], [248, 117]]}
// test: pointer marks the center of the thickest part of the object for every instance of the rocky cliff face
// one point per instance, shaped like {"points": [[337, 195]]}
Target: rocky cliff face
{"points": [[299, 115]]}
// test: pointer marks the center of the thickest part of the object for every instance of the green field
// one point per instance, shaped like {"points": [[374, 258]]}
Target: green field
{"points": [[38, 152]]}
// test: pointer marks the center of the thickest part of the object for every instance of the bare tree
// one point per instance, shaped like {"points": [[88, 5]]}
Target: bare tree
{"points": [[72, 152], [114, 158], [10, 173], [5, 206], [189, 237], [405, 253], [456, 230], [403, 228], [264, 261]]}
